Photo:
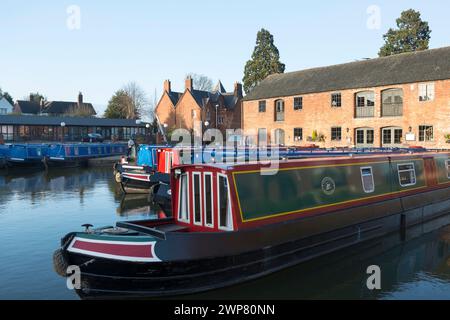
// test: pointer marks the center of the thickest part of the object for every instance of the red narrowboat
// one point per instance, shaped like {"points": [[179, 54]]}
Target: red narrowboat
{"points": [[236, 223]]}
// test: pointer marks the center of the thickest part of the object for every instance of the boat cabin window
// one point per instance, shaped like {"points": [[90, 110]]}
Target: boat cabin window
{"points": [[407, 174], [209, 218], [448, 168], [367, 179], [183, 211], [223, 200], [197, 198]]}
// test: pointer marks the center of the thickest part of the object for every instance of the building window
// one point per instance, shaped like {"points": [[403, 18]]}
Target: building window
{"points": [[336, 100], [262, 136], [221, 120], [3, 111], [298, 103], [425, 133], [367, 180], [392, 103], [426, 91], [398, 134], [387, 136], [208, 115], [406, 174], [365, 104], [262, 106], [298, 134], [336, 134], [279, 110], [365, 99]]}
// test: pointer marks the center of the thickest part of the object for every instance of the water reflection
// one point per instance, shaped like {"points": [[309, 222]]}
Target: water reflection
{"points": [[47, 205]]}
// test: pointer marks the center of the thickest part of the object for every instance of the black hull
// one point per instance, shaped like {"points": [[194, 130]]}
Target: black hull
{"points": [[32, 164], [238, 262], [162, 196], [131, 186], [67, 163]]}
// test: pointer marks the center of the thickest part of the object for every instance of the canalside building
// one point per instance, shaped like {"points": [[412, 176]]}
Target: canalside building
{"points": [[63, 120], [214, 109], [396, 101]]}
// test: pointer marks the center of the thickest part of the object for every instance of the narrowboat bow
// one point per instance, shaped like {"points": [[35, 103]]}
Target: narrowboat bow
{"points": [[236, 223]]}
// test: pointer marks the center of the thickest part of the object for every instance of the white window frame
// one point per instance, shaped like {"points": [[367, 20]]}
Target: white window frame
{"points": [[447, 166], [229, 226], [187, 198], [428, 88], [212, 199], [199, 174], [414, 171], [362, 179]]}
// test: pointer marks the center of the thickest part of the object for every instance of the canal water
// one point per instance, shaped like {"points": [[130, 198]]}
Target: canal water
{"points": [[38, 208]]}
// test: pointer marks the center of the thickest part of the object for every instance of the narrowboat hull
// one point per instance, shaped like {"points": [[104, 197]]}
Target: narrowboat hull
{"points": [[180, 263], [25, 163], [65, 163], [133, 182], [137, 182]]}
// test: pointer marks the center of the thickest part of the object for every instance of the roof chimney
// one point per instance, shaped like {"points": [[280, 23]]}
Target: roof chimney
{"points": [[238, 90], [167, 86], [189, 83], [80, 99]]}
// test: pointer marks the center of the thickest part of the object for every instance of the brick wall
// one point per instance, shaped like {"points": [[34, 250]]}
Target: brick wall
{"points": [[318, 114]]}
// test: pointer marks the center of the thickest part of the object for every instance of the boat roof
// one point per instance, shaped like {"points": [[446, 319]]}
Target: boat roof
{"points": [[307, 158]]}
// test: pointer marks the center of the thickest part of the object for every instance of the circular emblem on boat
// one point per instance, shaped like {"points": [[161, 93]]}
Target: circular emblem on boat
{"points": [[328, 186]]}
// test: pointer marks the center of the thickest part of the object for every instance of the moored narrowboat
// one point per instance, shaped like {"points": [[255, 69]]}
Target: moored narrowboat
{"points": [[74, 155], [236, 223], [150, 173], [26, 155]]}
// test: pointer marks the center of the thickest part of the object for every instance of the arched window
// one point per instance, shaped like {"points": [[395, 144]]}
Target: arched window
{"points": [[279, 110], [365, 104], [392, 103], [279, 137]]}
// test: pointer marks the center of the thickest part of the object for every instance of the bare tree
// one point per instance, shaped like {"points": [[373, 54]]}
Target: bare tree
{"points": [[138, 101], [201, 82]]}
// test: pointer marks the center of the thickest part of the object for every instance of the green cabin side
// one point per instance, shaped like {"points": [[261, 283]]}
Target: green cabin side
{"points": [[299, 189], [443, 169]]}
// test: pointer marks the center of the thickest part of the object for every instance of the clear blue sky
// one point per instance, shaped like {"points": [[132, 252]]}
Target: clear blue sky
{"points": [[149, 41]]}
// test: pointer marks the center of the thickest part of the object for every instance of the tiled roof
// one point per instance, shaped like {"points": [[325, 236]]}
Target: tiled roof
{"points": [[428, 65]]}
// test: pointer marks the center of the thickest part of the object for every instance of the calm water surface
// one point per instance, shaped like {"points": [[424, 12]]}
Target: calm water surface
{"points": [[37, 209]]}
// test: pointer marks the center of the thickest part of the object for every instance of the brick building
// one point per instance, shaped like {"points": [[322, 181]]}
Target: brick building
{"points": [[217, 109], [396, 101]]}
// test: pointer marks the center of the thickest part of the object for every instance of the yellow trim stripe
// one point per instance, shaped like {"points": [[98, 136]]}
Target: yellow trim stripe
{"points": [[317, 207]]}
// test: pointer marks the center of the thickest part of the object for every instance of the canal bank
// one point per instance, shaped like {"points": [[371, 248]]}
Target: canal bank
{"points": [[37, 208]]}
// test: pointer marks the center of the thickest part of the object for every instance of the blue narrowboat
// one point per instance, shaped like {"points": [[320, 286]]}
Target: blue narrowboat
{"points": [[26, 155], [4, 150], [70, 155]]}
